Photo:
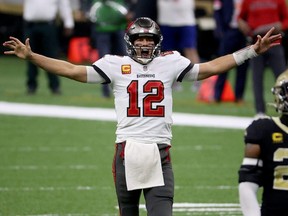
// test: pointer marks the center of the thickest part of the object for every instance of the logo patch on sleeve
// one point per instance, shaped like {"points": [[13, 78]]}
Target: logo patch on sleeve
{"points": [[126, 69], [277, 138]]}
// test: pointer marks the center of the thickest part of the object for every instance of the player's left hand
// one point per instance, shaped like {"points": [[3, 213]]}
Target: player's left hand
{"points": [[267, 41], [18, 48]]}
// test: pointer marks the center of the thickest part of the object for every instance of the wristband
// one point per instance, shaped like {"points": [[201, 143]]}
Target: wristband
{"points": [[244, 54]]}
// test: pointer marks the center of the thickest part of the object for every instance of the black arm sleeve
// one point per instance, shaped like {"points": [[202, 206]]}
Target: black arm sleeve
{"points": [[250, 173]]}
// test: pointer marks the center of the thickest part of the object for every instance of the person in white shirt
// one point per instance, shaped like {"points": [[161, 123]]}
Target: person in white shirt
{"points": [[177, 22], [40, 26], [142, 86]]}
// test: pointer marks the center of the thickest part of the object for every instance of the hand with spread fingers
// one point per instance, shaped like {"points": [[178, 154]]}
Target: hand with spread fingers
{"points": [[18, 48], [267, 41]]}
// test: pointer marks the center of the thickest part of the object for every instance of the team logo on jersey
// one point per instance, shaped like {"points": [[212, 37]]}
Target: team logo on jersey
{"points": [[126, 69], [277, 138]]}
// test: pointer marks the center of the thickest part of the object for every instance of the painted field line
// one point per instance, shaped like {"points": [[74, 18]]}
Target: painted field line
{"points": [[228, 208], [72, 112], [52, 189], [37, 167], [69, 214]]}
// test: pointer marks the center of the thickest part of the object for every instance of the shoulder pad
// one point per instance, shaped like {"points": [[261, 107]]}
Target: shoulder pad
{"points": [[166, 53]]}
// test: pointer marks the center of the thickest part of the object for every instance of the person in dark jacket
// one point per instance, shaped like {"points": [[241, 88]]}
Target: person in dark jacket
{"points": [[230, 40]]}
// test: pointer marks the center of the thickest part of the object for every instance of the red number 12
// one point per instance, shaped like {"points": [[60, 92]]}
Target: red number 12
{"points": [[148, 111]]}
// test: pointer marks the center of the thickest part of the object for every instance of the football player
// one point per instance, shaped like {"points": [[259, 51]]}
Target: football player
{"points": [[265, 163], [142, 87]]}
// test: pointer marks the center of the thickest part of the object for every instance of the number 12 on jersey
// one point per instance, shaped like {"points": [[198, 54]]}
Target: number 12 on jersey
{"points": [[155, 94]]}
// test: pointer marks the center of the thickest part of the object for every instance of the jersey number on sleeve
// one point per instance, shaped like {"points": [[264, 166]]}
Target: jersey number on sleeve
{"points": [[149, 100], [281, 172]]}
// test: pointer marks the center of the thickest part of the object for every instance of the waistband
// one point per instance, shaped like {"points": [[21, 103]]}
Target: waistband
{"points": [[48, 22], [160, 145]]}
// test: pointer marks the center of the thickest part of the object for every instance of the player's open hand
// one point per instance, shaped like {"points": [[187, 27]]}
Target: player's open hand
{"points": [[18, 48], [267, 41]]}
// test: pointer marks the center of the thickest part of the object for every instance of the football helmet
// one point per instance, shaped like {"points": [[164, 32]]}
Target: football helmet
{"points": [[141, 27], [280, 92]]}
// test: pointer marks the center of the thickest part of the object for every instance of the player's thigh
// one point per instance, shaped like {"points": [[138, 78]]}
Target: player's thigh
{"points": [[128, 201], [159, 200]]}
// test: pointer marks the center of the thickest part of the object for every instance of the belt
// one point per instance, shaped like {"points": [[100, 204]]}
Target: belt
{"points": [[160, 145], [40, 22]]}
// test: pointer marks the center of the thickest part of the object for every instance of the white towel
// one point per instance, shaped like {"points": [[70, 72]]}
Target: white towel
{"points": [[142, 165]]}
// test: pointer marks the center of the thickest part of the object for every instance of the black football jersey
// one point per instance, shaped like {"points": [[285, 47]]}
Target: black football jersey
{"points": [[272, 136]]}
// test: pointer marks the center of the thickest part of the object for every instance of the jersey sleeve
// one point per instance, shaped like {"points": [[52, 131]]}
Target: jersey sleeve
{"points": [[102, 67], [251, 169], [254, 132], [93, 76], [185, 69], [191, 73]]}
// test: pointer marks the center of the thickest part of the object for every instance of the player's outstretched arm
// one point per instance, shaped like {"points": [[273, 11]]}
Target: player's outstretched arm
{"points": [[55, 66], [227, 62]]}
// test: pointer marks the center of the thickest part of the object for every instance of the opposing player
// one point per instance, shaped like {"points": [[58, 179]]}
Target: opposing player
{"points": [[142, 87], [266, 160]]}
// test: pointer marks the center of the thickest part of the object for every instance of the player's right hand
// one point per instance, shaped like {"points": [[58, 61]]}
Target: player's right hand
{"points": [[18, 48]]}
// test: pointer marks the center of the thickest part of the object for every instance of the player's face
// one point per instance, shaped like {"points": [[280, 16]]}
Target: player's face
{"points": [[144, 47]]}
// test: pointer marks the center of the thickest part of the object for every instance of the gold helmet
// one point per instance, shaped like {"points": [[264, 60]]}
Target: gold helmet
{"points": [[280, 92]]}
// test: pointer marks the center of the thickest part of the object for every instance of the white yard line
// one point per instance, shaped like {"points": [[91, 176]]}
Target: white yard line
{"points": [[224, 209], [72, 112]]}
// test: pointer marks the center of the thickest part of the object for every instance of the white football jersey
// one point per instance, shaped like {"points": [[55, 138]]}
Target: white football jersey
{"points": [[143, 93]]}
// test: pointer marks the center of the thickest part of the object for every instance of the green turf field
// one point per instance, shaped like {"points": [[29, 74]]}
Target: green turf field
{"points": [[62, 167]]}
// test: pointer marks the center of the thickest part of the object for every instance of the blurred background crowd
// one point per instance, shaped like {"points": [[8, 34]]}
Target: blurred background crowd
{"points": [[11, 21]]}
